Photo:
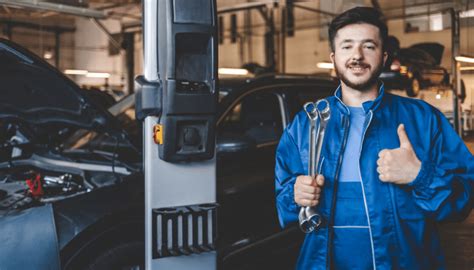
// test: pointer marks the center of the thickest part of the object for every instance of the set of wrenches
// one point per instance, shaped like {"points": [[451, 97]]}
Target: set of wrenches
{"points": [[309, 218]]}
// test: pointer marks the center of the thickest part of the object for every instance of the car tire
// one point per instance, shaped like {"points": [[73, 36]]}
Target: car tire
{"points": [[126, 256], [119, 246], [413, 88]]}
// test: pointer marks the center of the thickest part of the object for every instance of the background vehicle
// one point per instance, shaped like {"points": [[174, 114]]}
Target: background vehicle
{"points": [[83, 166], [414, 68]]}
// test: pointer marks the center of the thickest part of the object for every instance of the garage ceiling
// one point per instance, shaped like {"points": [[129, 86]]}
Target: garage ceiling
{"points": [[118, 9]]}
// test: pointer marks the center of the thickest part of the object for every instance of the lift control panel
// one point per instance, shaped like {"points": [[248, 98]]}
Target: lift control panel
{"points": [[176, 100]]}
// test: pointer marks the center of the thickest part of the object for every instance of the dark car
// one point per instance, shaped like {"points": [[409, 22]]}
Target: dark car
{"points": [[414, 68], [71, 187]]}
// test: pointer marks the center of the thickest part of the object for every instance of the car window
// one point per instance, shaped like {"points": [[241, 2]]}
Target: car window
{"points": [[257, 116], [298, 97]]}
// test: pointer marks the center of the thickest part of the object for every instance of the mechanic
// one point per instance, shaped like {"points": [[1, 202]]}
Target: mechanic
{"points": [[393, 165]]}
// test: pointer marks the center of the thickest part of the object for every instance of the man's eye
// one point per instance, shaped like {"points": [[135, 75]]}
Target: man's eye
{"points": [[346, 47], [370, 47]]}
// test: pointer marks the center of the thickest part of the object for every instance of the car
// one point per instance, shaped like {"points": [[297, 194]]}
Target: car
{"points": [[72, 186], [414, 68]]}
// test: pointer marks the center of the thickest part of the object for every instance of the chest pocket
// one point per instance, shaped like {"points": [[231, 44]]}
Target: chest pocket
{"points": [[406, 206]]}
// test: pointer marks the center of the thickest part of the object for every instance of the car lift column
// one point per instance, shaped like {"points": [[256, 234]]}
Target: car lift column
{"points": [[176, 100]]}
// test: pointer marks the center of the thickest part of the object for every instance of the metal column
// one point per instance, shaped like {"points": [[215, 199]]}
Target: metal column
{"points": [[176, 100], [455, 71]]}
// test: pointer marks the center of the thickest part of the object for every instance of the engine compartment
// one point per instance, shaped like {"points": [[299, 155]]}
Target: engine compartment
{"points": [[35, 172]]}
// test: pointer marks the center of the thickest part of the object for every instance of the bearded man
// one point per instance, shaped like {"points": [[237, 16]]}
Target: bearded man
{"points": [[390, 167]]}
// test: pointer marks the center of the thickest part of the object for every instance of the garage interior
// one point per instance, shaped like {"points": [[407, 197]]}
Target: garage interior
{"points": [[99, 45]]}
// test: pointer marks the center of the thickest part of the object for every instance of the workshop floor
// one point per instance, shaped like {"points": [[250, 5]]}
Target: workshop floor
{"points": [[458, 238]]}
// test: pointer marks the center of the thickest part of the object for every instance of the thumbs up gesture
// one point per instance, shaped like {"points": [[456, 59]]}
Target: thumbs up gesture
{"points": [[400, 165]]}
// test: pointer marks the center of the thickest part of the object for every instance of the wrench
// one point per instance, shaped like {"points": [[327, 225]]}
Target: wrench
{"points": [[309, 218]]}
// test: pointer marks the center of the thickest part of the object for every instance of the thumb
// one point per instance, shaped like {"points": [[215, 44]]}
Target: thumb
{"points": [[402, 135]]}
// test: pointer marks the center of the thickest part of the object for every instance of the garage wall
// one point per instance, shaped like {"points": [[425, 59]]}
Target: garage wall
{"points": [[40, 41], [92, 53], [306, 48]]}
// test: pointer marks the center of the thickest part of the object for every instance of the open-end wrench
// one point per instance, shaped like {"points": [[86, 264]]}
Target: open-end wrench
{"points": [[309, 218]]}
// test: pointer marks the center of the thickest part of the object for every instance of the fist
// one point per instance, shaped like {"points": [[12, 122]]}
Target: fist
{"points": [[308, 190], [401, 165]]}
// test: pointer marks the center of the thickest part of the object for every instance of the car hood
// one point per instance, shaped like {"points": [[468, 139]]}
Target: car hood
{"points": [[36, 93], [432, 48]]}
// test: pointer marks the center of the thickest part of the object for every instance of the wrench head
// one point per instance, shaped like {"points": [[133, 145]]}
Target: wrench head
{"points": [[311, 110], [322, 106]]}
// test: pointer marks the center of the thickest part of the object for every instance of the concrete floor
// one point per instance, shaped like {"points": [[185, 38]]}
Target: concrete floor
{"points": [[458, 238]]}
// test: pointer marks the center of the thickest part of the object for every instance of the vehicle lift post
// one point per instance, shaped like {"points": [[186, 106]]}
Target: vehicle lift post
{"points": [[176, 100]]}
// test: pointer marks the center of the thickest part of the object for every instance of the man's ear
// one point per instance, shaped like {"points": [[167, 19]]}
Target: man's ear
{"points": [[385, 57], [331, 55]]}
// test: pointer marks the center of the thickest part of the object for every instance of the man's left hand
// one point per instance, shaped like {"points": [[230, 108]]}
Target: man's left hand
{"points": [[401, 165]]}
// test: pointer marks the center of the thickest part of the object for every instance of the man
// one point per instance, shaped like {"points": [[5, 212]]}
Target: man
{"points": [[391, 167]]}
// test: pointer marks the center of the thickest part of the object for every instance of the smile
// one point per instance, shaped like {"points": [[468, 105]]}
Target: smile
{"points": [[358, 69]]}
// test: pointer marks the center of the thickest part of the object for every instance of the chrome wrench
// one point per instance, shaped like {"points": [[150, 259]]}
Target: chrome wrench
{"points": [[309, 218]]}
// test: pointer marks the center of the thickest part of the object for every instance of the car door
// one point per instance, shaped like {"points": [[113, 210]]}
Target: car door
{"points": [[246, 177]]}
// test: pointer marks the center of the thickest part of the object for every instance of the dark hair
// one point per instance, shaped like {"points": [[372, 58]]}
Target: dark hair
{"points": [[356, 15]]}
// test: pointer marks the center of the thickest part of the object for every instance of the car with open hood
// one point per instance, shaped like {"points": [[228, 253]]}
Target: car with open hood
{"points": [[71, 181]]}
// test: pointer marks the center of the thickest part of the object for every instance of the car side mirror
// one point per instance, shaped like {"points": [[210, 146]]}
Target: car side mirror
{"points": [[234, 144]]}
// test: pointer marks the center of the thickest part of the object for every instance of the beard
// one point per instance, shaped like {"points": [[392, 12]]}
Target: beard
{"points": [[360, 86]]}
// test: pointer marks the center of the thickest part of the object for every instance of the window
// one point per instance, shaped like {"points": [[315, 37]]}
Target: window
{"points": [[423, 17], [257, 116]]}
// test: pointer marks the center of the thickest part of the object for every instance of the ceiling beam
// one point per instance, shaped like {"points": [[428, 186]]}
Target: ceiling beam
{"points": [[60, 8]]}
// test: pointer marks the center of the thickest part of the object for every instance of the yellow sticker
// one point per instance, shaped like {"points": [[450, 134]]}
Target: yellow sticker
{"points": [[158, 134]]}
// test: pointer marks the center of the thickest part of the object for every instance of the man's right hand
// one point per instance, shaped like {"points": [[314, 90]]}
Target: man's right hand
{"points": [[308, 190]]}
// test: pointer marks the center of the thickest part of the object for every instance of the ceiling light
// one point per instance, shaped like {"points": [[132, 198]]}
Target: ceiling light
{"points": [[48, 55], [464, 58], [75, 72], [97, 75], [325, 65], [233, 71], [467, 68], [467, 13]]}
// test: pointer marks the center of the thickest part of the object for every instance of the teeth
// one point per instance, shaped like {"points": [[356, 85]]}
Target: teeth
{"points": [[357, 68]]}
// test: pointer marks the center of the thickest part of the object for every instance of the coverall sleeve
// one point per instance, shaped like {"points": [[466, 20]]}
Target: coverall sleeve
{"points": [[444, 185], [288, 166]]}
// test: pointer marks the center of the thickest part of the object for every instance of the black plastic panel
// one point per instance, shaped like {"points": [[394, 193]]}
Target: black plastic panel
{"points": [[192, 11], [184, 230]]}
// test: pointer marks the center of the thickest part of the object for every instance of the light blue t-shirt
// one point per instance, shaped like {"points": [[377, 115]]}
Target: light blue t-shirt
{"points": [[351, 242]]}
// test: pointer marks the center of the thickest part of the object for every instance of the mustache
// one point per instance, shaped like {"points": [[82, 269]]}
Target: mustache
{"points": [[357, 64]]}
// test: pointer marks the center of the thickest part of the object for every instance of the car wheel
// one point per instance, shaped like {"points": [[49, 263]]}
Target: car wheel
{"points": [[413, 88], [120, 246], [126, 256]]}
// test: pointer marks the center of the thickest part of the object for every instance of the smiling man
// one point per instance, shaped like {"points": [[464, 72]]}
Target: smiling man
{"points": [[391, 167]]}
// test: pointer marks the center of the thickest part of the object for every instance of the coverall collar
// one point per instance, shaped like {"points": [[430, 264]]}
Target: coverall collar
{"points": [[370, 105]]}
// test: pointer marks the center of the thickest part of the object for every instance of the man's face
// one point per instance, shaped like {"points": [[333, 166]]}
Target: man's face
{"points": [[358, 57]]}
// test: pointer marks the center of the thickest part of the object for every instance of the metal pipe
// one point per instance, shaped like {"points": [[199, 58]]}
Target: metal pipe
{"points": [[309, 218], [107, 33], [455, 67], [60, 8], [57, 45]]}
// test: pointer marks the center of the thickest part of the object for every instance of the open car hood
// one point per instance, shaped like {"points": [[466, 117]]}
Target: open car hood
{"points": [[36, 93], [432, 48]]}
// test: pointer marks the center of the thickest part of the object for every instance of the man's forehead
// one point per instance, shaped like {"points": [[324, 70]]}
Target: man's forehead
{"points": [[358, 32]]}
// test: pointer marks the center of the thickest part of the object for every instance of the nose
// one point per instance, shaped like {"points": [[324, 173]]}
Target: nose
{"points": [[357, 54]]}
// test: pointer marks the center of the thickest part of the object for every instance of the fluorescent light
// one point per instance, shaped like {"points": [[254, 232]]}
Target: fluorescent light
{"points": [[325, 65], [465, 59], [438, 96], [75, 72], [48, 55], [467, 13], [97, 75], [467, 68], [233, 71]]}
